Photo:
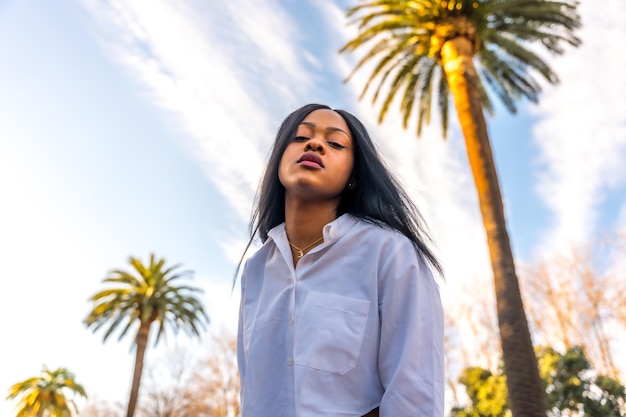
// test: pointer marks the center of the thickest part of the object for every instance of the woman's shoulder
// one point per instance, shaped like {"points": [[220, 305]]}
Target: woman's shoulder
{"points": [[380, 231], [378, 238], [389, 245], [260, 252]]}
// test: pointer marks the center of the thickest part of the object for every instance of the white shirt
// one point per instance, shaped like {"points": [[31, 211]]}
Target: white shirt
{"points": [[356, 325]]}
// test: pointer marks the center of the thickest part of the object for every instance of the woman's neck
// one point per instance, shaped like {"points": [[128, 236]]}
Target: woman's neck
{"points": [[304, 222]]}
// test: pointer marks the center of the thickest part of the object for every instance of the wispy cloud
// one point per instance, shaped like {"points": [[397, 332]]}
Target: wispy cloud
{"points": [[227, 72], [581, 132], [211, 87], [581, 135]]}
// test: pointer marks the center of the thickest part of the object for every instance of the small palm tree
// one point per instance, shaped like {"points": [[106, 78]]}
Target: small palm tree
{"points": [[47, 395], [139, 299], [426, 49]]}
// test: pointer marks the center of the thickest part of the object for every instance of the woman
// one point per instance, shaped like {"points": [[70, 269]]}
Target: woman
{"points": [[340, 314]]}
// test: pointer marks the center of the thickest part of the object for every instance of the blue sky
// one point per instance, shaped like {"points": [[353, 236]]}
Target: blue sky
{"points": [[130, 127]]}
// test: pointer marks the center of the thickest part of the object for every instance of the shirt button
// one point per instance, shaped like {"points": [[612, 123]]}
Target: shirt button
{"points": [[290, 362]]}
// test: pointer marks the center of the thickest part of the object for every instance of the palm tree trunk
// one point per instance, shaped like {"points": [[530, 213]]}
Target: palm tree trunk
{"points": [[141, 342], [526, 390]]}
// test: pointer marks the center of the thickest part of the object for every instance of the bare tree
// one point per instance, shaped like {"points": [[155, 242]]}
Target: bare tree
{"points": [[182, 386], [576, 299], [573, 299], [218, 379], [101, 408], [168, 388], [471, 338], [551, 302]]}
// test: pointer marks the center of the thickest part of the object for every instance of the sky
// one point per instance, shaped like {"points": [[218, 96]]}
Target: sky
{"points": [[136, 127]]}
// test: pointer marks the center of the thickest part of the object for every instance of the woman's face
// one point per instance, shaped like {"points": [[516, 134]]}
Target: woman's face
{"points": [[318, 162]]}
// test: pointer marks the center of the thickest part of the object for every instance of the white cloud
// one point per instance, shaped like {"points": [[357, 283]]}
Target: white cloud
{"points": [[582, 127], [208, 85], [581, 135], [223, 71]]}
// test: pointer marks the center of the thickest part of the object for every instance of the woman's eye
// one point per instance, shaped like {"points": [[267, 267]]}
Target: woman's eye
{"points": [[336, 145], [300, 139]]}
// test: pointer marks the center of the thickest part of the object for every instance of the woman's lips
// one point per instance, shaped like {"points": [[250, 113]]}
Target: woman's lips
{"points": [[311, 164], [310, 159]]}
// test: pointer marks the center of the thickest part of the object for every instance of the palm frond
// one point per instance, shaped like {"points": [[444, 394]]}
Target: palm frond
{"points": [[403, 74], [149, 294], [444, 101], [394, 32], [426, 89]]}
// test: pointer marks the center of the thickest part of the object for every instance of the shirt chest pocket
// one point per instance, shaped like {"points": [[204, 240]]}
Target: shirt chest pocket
{"points": [[329, 332]]}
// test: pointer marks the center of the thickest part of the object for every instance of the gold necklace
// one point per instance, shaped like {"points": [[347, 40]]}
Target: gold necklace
{"points": [[301, 250]]}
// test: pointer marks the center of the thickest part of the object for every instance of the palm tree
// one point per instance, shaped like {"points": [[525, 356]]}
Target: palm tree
{"points": [[45, 395], [141, 299], [425, 48]]}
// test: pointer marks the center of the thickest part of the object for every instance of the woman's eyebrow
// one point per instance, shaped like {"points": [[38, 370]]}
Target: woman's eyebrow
{"points": [[329, 128]]}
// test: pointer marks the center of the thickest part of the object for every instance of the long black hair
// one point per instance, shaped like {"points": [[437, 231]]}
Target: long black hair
{"points": [[377, 197]]}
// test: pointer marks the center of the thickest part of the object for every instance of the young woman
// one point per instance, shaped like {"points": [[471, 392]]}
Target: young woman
{"points": [[340, 315]]}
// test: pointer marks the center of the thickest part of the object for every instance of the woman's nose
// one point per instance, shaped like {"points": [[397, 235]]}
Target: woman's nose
{"points": [[314, 145]]}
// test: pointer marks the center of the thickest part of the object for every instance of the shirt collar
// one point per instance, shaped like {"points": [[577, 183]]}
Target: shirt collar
{"points": [[331, 231]]}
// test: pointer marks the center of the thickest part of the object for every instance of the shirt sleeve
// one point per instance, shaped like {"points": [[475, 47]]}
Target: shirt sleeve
{"points": [[241, 357], [411, 361]]}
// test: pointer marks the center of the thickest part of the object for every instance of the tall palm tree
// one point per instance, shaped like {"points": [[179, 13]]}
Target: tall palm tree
{"points": [[425, 48], [140, 298], [47, 395]]}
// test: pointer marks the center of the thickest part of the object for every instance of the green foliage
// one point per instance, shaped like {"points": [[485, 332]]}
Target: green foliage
{"points": [[147, 295], [572, 388], [487, 392], [572, 385], [47, 395]]}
